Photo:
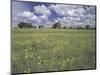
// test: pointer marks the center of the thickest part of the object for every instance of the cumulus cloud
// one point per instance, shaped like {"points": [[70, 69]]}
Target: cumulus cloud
{"points": [[90, 9], [74, 15], [59, 9], [67, 10], [68, 15], [41, 9], [44, 17], [71, 12], [69, 20], [89, 22], [39, 18], [25, 14], [28, 15], [90, 16], [80, 10], [15, 18], [33, 17]]}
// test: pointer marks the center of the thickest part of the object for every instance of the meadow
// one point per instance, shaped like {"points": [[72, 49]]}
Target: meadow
{"points": [[43, 50]]}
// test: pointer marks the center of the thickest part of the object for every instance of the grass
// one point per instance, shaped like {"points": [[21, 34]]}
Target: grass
{"points": [[41, 50]]}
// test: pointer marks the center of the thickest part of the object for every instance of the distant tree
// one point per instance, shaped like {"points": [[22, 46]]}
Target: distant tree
{"points": [[79, 27], [41, 26], [34, 27], [70, 27], [25, 25], [15, 27], [21, 24], [57, 25], [64, 27], [87, 26], [28, 25]]}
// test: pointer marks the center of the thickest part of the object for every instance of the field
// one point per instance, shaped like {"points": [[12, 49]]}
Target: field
{"points": [[41, 50]]}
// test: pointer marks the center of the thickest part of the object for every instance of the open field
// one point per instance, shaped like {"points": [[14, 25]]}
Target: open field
{"points": [[40, 50]]}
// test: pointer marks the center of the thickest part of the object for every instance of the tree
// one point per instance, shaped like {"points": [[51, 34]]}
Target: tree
{"points": [[64, 27], [57, 25], [87, 26], [29, 25], [34, 27], [79, 27], [21, 24], [41, 26], [25, 25], [70, 27]]}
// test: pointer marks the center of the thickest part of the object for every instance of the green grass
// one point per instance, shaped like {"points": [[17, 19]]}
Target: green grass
{"points": [[40, 50]]}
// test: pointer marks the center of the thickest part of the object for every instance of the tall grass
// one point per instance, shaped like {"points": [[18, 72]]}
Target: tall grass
{"points": [[41, 50]]}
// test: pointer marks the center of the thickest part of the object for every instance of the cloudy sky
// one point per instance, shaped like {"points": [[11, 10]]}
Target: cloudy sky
{"points": [[48, 13]]}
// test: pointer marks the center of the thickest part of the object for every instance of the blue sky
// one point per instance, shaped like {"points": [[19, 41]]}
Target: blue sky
{"points": [[48, 13]]}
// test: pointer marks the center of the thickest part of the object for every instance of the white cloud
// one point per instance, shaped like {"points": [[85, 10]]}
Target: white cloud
{"points": [[44, 17], [34, 17], [31, 16], [25, 14], [80, 10], [42, 9], [71, 12], [74, 18], [70, 21], [59, 9], [15, 18], [73, 15], [90, 16], [65, 10], [90, 9], [89, 22], [63, 19], [69, 15], [39, 18]]}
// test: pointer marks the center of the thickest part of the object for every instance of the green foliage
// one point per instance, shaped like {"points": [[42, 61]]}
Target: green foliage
{"points": [[41, 26], [40, 50], [57, 25], [87, 26], [25, 25]]}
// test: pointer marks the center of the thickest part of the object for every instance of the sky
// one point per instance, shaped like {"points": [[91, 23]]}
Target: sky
{"points": [[46, 14]]}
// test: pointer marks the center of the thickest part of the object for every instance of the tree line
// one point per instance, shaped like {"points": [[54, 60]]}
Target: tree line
{"points": [[56, 25]]}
